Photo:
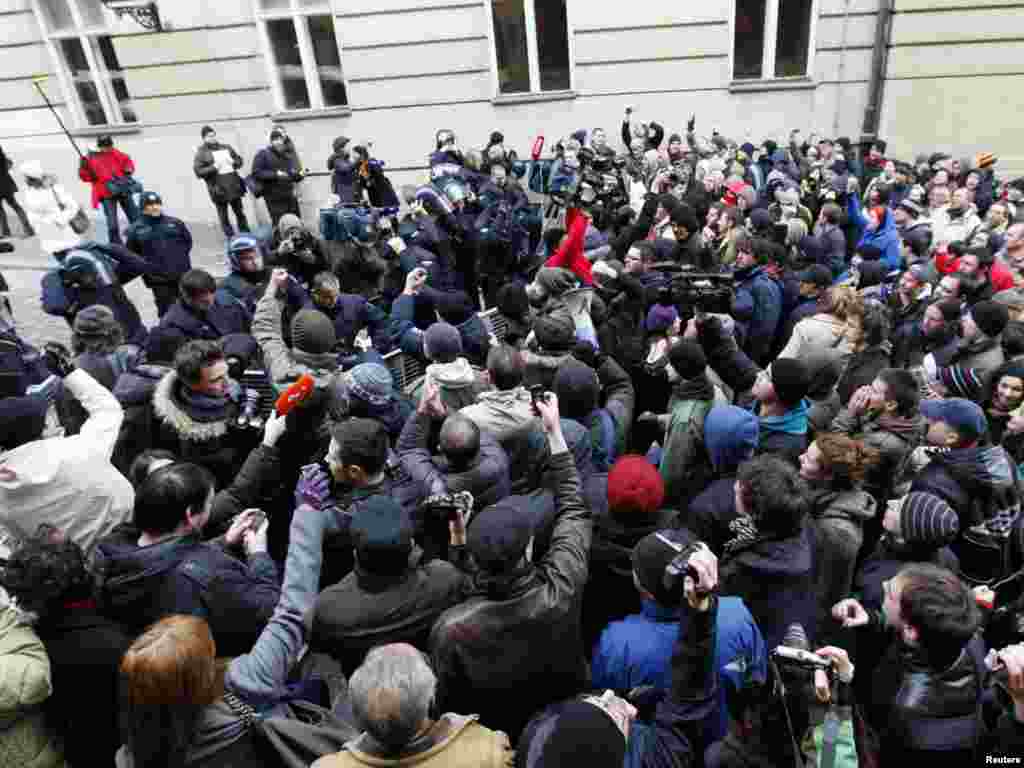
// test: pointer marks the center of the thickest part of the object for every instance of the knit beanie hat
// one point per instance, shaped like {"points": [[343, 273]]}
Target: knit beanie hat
{"points": [[499, 535], [555, 332], [313, 332], [555, 281], [207, 130], [927, 519], [512, 300], [687, 358], [371, 383], [442, 343], [578, 389], [823, 372], [381, 532], [95, 321], [661, 317], [579, 733], [276, 134], [22, 420], [634, 487], [770, 147], [990, 317], [790, 380], [651, 556]]}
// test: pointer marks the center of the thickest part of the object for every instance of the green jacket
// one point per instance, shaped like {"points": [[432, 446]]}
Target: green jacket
{"points": [[24, 685], [685, 467]]}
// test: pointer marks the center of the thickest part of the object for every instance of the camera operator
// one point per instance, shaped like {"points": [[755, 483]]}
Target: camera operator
{"points": [[371, 181], [298, 250], [343, 171], [604, 732], [922, 700]]}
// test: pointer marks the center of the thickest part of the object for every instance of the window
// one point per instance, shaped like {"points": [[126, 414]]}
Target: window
{"points": [[302, 53], [531, 45], [772, 39], [87, 63]]}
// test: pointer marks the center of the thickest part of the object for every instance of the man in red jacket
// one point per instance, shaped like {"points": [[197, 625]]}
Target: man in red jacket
{"points": [[100, 167]]}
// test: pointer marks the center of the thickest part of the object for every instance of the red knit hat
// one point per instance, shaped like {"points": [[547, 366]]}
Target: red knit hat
{"points": [[635, 485]]}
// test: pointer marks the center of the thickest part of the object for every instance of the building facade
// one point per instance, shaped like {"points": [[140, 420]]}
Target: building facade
{"points": [[922, 74]]}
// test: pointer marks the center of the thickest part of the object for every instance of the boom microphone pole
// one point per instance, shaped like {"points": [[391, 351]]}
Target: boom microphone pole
{"points": [[37, 82]]}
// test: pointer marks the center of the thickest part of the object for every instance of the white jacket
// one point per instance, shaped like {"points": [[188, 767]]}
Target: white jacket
{"points": [[49, 221], [69, 482]]}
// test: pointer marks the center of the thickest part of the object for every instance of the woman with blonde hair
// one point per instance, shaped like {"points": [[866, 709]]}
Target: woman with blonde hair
{"points": [[826, 331], [183, 707]]}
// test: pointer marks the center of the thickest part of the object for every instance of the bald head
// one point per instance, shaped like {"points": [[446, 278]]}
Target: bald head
{"points": [[391, 694], [459, 441]]}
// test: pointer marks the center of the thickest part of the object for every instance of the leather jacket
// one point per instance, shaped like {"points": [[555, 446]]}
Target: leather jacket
{"points": [[491, 644]]}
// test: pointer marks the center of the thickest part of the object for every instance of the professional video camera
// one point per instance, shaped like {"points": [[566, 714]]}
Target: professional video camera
{"points": [[354, 223], [695, 293], [596, 185]]}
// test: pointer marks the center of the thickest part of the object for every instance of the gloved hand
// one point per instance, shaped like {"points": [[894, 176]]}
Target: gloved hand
{"points": [[58, 359], [691, 123], [50, 389], [314, 487]]}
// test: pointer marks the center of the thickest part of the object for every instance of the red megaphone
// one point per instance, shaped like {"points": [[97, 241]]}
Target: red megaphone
{"points": [[538, 147]]}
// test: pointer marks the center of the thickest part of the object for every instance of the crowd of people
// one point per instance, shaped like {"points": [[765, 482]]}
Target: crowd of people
{"points": [[737, 482]]}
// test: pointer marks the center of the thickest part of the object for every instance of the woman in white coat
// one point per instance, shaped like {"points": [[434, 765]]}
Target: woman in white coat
{"points": [[50, 209]]}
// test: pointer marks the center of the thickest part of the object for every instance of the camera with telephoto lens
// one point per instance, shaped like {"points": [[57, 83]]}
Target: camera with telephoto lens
{"points": [[796, 657], [695, 293]]}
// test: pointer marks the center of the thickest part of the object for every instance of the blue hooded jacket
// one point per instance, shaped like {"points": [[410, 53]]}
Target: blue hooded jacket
{"points": [[730, 436], [638, 651], [886, 239]]}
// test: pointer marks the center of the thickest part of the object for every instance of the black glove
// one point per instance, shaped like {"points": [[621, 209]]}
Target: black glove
{"points": [[691, 123], [58, 359]]}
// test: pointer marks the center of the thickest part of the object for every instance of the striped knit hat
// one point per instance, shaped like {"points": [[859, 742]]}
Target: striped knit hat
{"points": [[927, 519], [962, 381]]}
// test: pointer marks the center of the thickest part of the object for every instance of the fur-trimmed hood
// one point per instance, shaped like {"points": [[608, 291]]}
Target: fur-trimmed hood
{"points": [[171, 410]]}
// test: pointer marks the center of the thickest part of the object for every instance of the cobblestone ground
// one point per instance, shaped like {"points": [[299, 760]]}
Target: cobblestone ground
{"points": [[35, 326]]}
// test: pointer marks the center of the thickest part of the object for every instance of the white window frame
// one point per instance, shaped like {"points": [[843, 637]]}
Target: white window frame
{"points": [[87, 37], [298, 15], [771, 29], [532, 53]]}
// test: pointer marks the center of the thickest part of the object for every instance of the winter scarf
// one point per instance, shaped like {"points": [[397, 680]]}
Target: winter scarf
{"points": [[992, 481], [204, 409], [745, 535], [792, 422]]}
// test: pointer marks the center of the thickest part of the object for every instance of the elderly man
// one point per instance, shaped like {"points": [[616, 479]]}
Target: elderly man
{"points": [[391, 695]]}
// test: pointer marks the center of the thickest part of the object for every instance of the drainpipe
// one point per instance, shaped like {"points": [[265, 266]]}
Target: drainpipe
{"points": [[879, 69], [842, 68]]}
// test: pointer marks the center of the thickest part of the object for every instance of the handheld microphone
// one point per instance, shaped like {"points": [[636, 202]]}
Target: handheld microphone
{"points": [[295, 394]]}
